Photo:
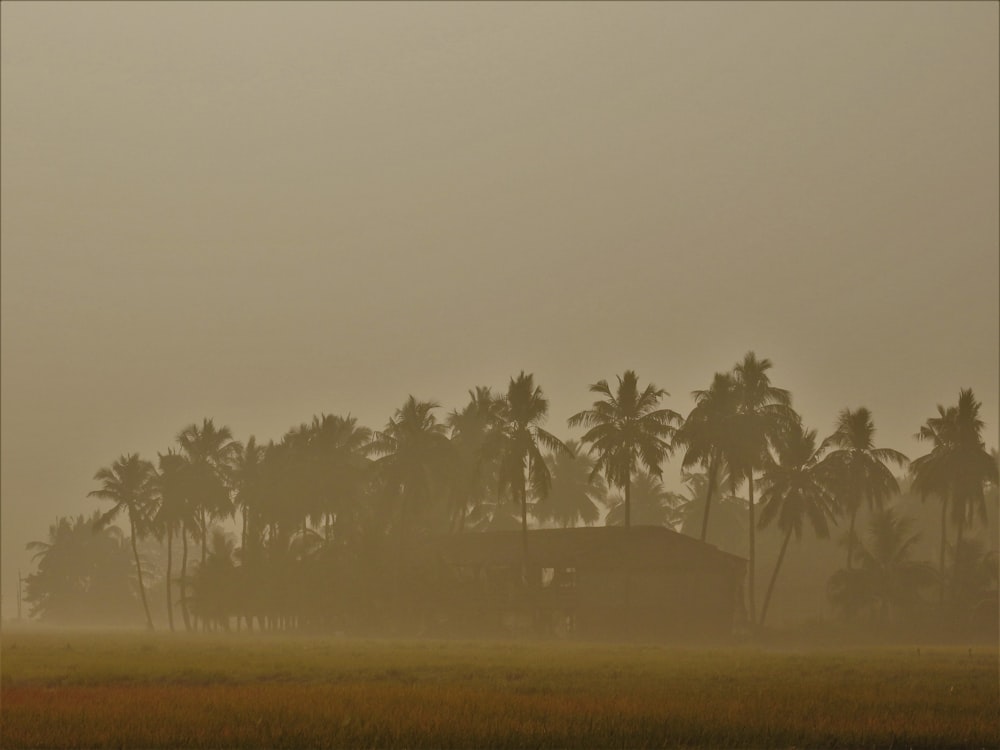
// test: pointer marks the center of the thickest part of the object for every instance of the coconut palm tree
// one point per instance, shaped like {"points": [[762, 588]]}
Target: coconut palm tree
{"points": [[763, 412], [338, 451], [856, 469], [957, 468], [794, 491], [626, 430], [210, 451], [475, 469], [729, 531], [247, 462], [174, 513], [82, 574], [705, 435], [652, 504], [415, 458], [129, 484], [887, 579], [576, 496], [518, 442]]}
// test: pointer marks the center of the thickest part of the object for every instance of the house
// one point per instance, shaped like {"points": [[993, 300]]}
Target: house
{"points": [[595, 582]]}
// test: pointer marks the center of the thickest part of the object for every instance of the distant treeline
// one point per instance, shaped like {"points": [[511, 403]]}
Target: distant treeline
{"points": [[325, 513]]}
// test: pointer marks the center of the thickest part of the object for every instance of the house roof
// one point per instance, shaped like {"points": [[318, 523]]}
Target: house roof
{"points": [[610, 547]]}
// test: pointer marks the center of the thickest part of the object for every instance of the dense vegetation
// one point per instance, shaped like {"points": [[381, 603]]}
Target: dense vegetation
{"points": [[151, 690], [323, 515]]}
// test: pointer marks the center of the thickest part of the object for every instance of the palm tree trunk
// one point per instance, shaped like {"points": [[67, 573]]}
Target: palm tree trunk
{"points": [[751, 562], [170, 560], [774, 576], [138, 570], [628, 502], [628, 568], [850, 539], [708, 498], [204, 537], [955, 583], [944, 523], [524, 534], [184, 563], [243, 536]]}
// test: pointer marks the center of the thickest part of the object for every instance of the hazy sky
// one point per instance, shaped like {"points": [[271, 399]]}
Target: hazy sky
{"points": [[259, 212]]}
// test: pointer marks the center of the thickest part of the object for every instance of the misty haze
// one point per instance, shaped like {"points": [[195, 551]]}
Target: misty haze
{"points": [[479, 375]]}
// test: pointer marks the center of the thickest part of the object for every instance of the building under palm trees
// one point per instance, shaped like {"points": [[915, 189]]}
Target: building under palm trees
{"points": [[645, 582]]}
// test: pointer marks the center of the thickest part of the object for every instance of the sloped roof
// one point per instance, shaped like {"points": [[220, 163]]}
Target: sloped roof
{"points": [[611, 547]]}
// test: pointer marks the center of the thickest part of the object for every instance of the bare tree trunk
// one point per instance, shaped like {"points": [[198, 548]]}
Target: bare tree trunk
{"points": [[138, 570], [708, 497], [170, 558], [774, 576], [752, 561]]}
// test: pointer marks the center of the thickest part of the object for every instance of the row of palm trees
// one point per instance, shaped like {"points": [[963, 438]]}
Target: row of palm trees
{"points": [[332, 483]]}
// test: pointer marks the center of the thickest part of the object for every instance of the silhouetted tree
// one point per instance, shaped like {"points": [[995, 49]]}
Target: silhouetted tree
{"points": [[518, 441], [706, 435], [415, 459], [763, 412], [247, 485], [887, 578], [958, 467], [627, 429], [794, 492], [475, 468], [128, 483], [83, 575], [856, 470], [210, 451], [652, 504], [576, 495], [729, 531], [173, 513]]}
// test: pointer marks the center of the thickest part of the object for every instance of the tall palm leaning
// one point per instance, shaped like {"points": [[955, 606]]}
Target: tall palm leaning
{"points": [[626, 429], [763, 412], [957, 467], [129, 484], [705, 435], [518, 442], [794, 491]]}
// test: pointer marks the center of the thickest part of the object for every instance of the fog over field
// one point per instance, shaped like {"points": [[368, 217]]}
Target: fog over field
{"points": [[257, 213]]}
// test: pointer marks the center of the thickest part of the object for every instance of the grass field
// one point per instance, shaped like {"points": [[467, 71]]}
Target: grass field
{"points": [[151, 691]]}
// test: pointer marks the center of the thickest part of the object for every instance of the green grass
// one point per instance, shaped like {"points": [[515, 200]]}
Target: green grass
{"points": [[105, 690]]}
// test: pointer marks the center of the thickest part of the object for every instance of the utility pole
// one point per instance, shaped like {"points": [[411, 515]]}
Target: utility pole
{"points": [[19, 595]]}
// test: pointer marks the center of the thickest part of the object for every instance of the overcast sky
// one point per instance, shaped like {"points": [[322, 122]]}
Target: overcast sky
{"points": [[258, 213]]}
